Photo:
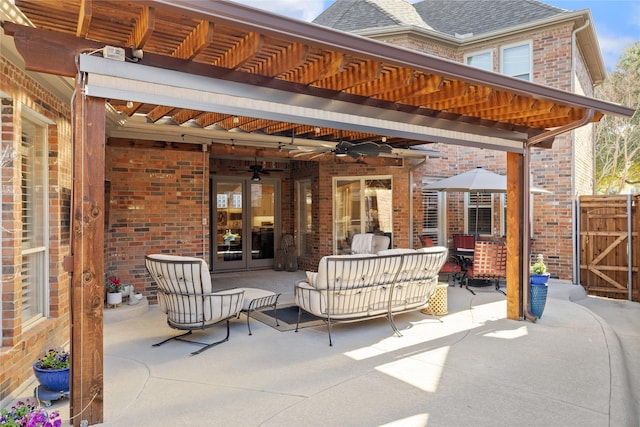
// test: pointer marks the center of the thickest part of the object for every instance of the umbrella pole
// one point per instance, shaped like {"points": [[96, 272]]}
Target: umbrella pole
{"points": [[477, 208]]}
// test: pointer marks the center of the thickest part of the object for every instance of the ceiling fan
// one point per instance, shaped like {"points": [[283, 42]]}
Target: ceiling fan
{"points": [[257, 170], [361, 149], [354, 150]]}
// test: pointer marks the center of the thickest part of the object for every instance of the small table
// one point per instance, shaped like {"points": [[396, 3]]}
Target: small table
{"points": [[256, 299]]}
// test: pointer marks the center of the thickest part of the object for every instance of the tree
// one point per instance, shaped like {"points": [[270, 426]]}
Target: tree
{"points": [[617, 138]]}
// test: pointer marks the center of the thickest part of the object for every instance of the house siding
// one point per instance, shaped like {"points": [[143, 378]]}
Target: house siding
{"points": [[23, 345]]}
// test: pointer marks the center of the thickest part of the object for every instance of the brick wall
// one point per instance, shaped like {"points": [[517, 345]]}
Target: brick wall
{"points": [[22, 344], [157, 199]]}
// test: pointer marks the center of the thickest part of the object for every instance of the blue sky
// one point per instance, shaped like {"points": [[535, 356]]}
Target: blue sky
{"points": [[617, 21]]}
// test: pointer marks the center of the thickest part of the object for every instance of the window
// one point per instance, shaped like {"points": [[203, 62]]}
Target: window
{"points": [[33, 182], [361, 205], [432, 207], [483, 60], [516, 61], [479, 210]]}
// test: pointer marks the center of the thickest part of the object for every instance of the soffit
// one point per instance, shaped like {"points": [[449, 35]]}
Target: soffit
{"points": [[301, 58]]}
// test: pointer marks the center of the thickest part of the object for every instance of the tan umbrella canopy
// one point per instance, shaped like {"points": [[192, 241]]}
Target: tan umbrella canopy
{"points": [[477, 180]]}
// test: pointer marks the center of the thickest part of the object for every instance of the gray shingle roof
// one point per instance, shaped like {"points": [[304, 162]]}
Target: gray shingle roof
{"points": [[481, 16], [353, 15], [446, 16]]}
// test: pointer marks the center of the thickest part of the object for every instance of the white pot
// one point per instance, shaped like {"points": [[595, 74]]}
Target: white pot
{"points": [[126, 290], [135, 298], [114, 298]]}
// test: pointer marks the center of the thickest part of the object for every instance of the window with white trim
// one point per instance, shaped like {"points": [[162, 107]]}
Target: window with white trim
{"points": [[434, 213], [33, 183], [482, 60], [479, 213], [516, 61]]}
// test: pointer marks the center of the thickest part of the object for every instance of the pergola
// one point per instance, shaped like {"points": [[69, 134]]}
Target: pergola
{"points": [[217, 73]]}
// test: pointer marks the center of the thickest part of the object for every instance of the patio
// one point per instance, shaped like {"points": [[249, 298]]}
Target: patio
{"points": [[474, 368]]}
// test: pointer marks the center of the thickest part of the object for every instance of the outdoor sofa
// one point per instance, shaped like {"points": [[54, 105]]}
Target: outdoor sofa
{"points": [[364, 286]]}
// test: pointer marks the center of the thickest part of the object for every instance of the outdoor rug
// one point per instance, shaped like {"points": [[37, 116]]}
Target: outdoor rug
{"points": [[287, 317]]}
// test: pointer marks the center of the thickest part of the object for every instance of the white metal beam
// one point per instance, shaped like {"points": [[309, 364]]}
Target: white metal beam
{"points": [[139, 83]]}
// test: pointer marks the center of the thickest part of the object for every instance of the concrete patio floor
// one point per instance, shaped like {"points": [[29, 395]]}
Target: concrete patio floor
{"points": [[577, 366]]}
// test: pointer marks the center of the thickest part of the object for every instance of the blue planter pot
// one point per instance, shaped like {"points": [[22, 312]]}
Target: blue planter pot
{"points": [[537, 298], [52, 379], [539, 279]]}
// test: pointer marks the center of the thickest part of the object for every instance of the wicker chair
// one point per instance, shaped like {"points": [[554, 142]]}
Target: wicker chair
{"points": [[184, 294], [489, 264]]}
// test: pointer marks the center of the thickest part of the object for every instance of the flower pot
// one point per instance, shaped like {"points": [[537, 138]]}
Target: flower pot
{"points": [[537, 298], [52, 379], [539, 279], [114, 298], [126, 290]]}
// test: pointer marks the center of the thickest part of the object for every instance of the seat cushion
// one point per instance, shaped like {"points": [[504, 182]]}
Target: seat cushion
{"points": [[253, 293]]}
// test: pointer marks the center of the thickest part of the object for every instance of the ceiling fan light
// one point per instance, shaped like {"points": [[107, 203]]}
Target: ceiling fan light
{"points": [[256, 176]]}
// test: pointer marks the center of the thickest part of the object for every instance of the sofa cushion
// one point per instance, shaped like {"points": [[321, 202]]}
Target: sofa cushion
{"points": [[380, 243], [321, 279], [396, 251]]}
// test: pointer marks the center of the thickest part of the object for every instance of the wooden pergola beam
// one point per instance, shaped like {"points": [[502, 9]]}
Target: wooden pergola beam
{"points": [[87, 253], [515, 241]]}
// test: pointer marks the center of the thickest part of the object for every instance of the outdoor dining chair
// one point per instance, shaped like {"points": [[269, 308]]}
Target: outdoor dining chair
{"points": [[452, 268], [184, 294], [489, 265]]}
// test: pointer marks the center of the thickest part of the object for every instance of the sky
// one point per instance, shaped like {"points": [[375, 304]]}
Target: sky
{"points": [[617, 22]]}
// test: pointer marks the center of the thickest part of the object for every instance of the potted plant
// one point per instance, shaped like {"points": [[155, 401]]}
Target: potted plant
{"points": [[114, 291], [538, 288], [52, 370], [29, 414], [538, 272]]}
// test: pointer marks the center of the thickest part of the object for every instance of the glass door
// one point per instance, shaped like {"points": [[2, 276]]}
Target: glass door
{"points": [[361, 205], [243, 223]]}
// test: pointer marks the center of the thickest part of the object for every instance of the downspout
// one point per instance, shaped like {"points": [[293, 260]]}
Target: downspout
{"points": [[204, 188], [575, 243], [526, 249], [410, 193]]}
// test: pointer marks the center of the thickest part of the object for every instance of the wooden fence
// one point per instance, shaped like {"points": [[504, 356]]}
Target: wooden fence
{"points": [[609, 227]]}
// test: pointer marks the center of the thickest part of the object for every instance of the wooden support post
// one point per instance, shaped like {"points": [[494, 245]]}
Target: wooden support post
{"points": [[87, 287], [515, 235]]}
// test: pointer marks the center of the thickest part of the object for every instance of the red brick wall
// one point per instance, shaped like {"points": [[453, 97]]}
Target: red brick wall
{"points": [[22, 344], [157, 201]]}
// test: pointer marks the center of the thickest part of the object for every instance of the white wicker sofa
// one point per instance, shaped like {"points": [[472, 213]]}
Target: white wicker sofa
{"points": [[364, 286]]}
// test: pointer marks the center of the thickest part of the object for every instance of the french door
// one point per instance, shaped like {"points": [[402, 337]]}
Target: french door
{"points": [[244, 223], [361, 205]]}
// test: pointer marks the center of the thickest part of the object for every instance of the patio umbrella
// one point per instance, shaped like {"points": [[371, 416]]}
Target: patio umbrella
{"points": [[477, 180]]}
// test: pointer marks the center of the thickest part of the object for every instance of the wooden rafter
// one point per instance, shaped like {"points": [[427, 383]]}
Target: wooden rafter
{"points": [[182, 116], [208, 119], [354, 74], [244, 51], [388, 82], [195, 42], [159, 112], [84, 18], [143, 28], [326, 66], [291, 57]]}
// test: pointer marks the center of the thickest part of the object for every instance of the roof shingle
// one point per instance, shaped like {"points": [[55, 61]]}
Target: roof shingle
{"points": [[353, 15]]}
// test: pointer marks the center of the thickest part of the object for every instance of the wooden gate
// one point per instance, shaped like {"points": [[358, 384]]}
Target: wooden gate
{"points": [[607, 225]]}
